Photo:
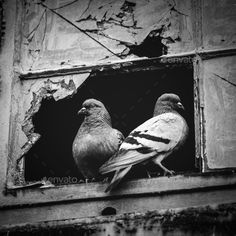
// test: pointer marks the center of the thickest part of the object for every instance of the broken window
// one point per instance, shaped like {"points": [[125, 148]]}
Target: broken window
{"points": [[130, 99], [59, 34], [96, 32]]}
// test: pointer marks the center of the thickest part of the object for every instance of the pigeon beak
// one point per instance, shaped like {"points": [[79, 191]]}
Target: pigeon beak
{"points": [[180, 106], [82, 111]]}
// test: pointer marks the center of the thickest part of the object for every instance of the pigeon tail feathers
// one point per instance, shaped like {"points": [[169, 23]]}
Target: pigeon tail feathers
{"points": [[119, 175]]}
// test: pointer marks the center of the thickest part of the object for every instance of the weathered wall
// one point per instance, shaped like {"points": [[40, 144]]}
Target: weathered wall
{"points": [[6, 78], [125, 27], [48, 41], [210, 220], [218, 77], [219, 21], [220, 111]]}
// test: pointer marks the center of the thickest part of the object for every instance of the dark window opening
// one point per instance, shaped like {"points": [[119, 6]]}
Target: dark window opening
{"points": [[130, 99], [152, 46]]}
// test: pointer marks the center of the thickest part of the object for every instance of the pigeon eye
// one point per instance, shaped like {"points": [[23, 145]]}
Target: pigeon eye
{"points": [[95, 105]]}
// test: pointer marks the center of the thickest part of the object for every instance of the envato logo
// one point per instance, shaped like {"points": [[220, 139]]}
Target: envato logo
{"points": [[177, 60], [62, 180]]}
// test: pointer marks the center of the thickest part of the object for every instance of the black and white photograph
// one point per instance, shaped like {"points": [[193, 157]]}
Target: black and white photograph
{"points": [[118, 117]]}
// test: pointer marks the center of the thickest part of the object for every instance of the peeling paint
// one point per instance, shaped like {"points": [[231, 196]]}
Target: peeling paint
{"points": [[55, 88], [119, 25]]}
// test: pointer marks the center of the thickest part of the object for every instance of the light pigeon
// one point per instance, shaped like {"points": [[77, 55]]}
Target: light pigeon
{"points": [[154, 140]]}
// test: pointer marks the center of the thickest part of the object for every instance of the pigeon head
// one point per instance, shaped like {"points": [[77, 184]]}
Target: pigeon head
{"points": [[168, 102], [95, 109]]}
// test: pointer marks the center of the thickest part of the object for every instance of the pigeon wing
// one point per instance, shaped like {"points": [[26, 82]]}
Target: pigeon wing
{"points": [[160, 134]]}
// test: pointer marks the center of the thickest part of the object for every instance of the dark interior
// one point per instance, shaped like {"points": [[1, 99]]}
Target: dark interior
{"points": [[130, 99]]}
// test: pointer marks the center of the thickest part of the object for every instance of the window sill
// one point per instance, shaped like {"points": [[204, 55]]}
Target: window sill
{"points": [[136, 188]]}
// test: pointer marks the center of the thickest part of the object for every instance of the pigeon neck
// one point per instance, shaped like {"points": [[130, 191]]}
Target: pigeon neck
{"points": [[97, 121], [160, 109]]}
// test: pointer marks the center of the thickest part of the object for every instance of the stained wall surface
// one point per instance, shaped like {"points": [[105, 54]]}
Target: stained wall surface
{"points": [[220, 111], [219, 22], [124, 27]]}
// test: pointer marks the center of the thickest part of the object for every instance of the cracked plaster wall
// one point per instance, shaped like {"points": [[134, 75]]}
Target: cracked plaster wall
{"points": [[50, 42]]}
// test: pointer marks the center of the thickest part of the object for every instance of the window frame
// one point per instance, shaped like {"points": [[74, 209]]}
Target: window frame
{"points": [[96, 190], [124, 66]]}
